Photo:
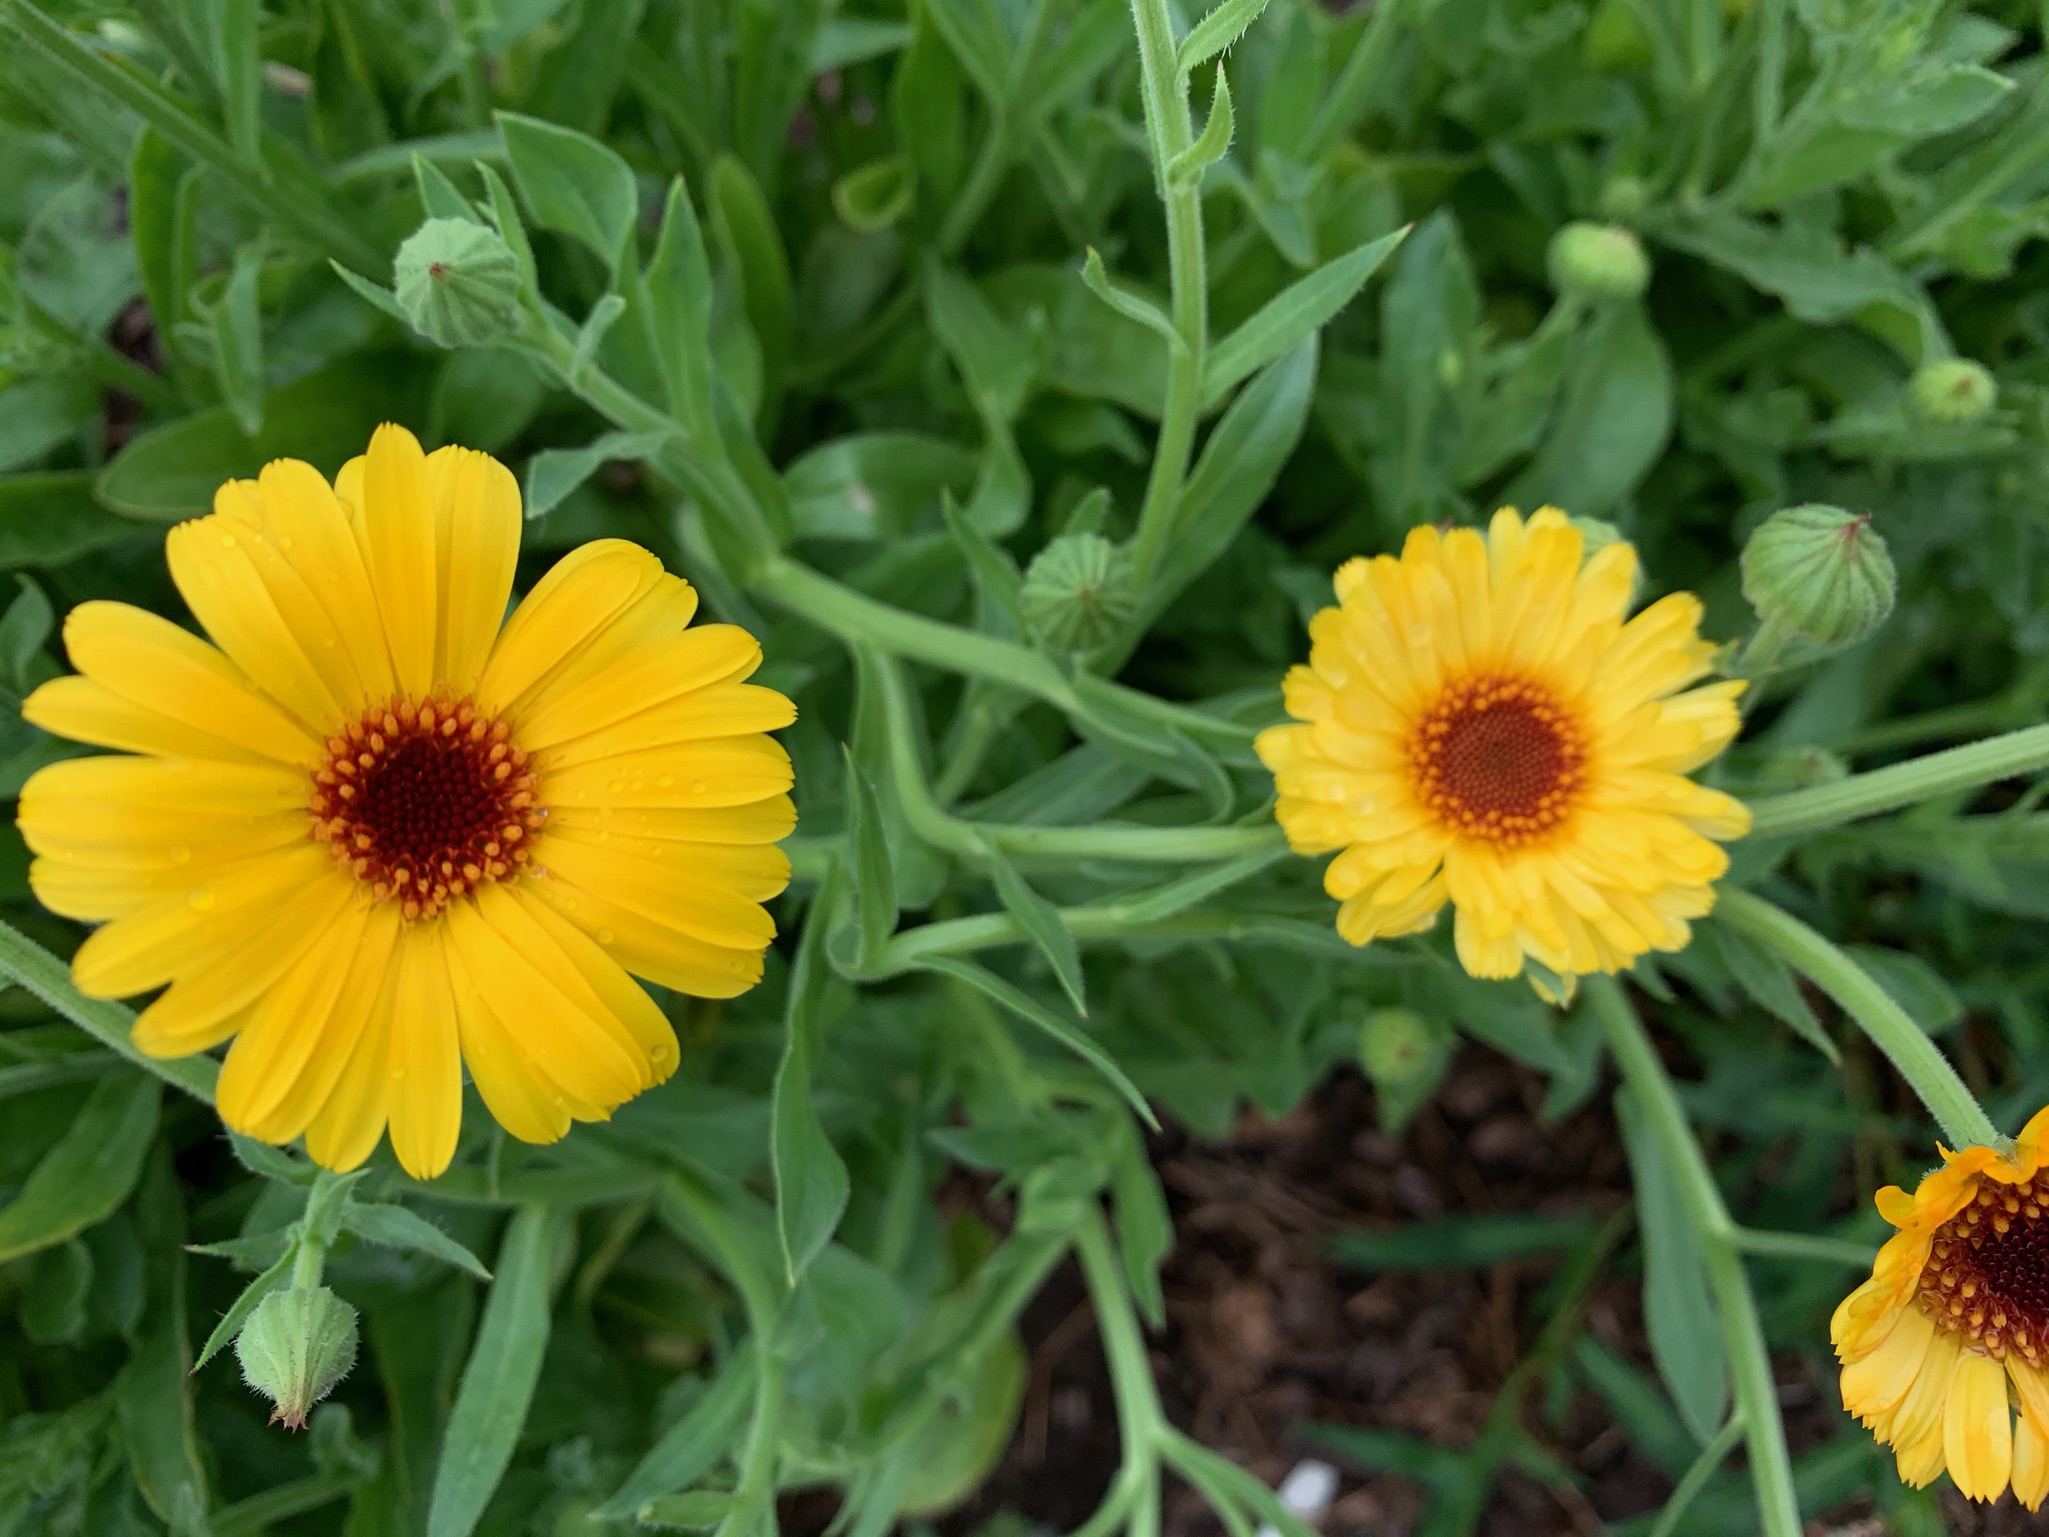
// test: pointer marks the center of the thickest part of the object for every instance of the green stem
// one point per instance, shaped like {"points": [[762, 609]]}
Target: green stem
{"points": [[1903, 784], [1816, 1247], [1696, 1478], [261, 1512], [1757, 1400], [1140, 1423], [1167, 125], [984, 177], [27, 963], [755, 1495], [1905, 1044]]}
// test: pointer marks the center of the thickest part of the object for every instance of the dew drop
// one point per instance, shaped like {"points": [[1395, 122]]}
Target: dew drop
{"points": [[666, 780], [180, 854], [397, 1073], [227, 541], [201, 899], [606, 936], [697, 787]]}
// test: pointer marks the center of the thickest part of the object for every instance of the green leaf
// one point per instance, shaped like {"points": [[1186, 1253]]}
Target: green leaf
{"points": [[874, 196], [51, 519], [1128, 304], [163, 242], [875, 902], [976, 38], [811, 1181], [873, 485], [396, 1227], [555, 472], [744, 227], [573, 184], [1039, 1017], [679, 297], [995, 573], [153, 1394], [439, 197], [237, 330], [1145, 1228], [498, 1383], [1211, 145], [238, 66], [1770, 982], [231, 1322], [272, 1163], [1042, 923], [1303, 307], [699, 1511], [994, 361], [1215, 32], [91, 1169], [1679, 1308], [1237, 468], [694, 1444], [1638, 1404], [590, 336], [1460, 1243], [171, 472], [1612, 424]]}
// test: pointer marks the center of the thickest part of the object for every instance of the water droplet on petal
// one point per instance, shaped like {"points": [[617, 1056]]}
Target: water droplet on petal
{"points": [[180, 854], [201, 899], [227, 541], [666, 780], [697, 787], [606, 936]]}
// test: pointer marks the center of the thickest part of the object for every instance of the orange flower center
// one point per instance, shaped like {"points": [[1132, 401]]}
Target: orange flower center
{"points": [[1987, 1276], [1498, 758], [425, 801]]}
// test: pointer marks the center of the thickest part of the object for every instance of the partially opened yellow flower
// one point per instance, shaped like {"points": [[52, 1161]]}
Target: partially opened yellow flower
{"points": [[1951, 1332], [375, 836], [1483, 725]]}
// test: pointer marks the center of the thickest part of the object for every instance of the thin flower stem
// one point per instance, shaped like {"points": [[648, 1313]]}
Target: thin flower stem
{"points": [[1711, 1457], [32, 967], [1142, 1427], [1757, 1401], [1905, 1044], [1902, 784], [1167, 125]]}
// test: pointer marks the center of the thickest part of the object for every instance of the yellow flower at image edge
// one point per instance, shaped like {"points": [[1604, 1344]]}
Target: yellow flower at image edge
{"points": [[1951, 1333], [504, 823], [1482, 725]]}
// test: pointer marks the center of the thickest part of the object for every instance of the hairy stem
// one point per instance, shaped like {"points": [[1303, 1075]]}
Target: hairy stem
{"points": [[1902, 784]]}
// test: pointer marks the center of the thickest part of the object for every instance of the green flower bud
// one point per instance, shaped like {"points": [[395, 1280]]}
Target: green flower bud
{"points": [[1819, 574], [1626, 198], [1616, 40], [1078, 593], [298, 1344], [1397, 1045], [1598, 261], [458, 282], [1954, 391]]}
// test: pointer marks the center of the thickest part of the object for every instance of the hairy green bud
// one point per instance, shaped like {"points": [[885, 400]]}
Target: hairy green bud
{"points": [[298, 1344], [458, 282], [1598, 261], [1820, 574], [1396, 1045], [1954, 391], [1079, 593]]}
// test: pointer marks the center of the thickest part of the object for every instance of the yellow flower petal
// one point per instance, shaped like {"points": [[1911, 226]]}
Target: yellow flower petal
{"points": [[512, 1089], [477, 523], [399, 534], [1977, 1428], [732, 771], [345, 1129], [88, 711], [568, 607], [650, 945], [426, 1056], [2030, 1463], [1876, 1384]]}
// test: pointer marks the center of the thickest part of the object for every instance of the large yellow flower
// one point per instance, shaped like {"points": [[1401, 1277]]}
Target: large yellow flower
{"points": [[1483, 726], [375, 836], [1957, 1308]]}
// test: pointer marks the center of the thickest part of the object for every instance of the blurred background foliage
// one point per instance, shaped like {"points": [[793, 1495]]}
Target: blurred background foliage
{"points": [[861, 1174]]}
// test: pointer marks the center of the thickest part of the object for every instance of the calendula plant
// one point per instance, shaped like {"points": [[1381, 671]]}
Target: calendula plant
{"points": [[678, 666]]}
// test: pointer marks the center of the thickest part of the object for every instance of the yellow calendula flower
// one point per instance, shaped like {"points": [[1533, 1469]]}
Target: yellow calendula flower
{"points": [[1483, 725], [1951, 1333], [383, 832]]}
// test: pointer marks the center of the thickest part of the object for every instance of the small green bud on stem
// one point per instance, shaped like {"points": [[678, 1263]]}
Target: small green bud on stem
{"points": [[1954, 392], [458, 282], [1598, 262], [1079, 593], [298, 1344], [1816, 574]]}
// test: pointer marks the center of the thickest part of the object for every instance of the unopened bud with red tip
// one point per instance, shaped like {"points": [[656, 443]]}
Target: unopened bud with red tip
{"points": [[1078, 593], [458, 283], [1818, 574], [1955, 391], [298, 1344]]}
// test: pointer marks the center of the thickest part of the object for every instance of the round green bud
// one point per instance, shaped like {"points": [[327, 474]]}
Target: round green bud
{"points": [[1954, 391], [1079, 593], [1819, 573], [1598, 261], [458, 283], [1396, 1045], [1616, 40], [1626, 198], [295, 1347]]}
